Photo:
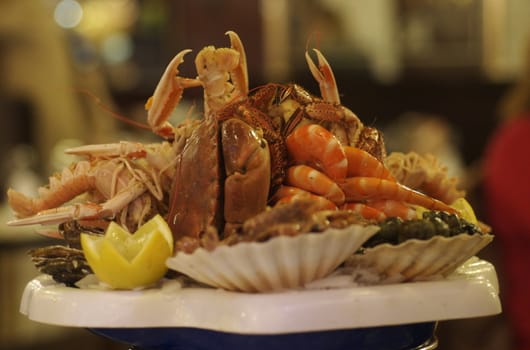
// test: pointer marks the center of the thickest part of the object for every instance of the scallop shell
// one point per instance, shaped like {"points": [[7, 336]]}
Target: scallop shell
{"points": [[416, 260], [278, 264]]}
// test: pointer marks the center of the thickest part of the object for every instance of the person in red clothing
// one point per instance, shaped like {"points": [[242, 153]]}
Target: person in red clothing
{"points": [[506, 184]]}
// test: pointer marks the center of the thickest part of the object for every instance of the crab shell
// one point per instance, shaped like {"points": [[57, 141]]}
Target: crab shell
{"points": [[222, 176]]}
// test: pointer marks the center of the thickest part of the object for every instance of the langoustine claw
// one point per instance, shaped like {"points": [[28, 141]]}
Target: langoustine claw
{"points": [[167, 95], [324, 76]]}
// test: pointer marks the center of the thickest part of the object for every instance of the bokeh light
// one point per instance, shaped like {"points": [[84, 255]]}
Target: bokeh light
{"points": [[68, 13], [117, 47]]}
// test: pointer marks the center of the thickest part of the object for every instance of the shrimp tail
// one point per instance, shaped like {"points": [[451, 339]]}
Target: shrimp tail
{"points": [[371, 188]]}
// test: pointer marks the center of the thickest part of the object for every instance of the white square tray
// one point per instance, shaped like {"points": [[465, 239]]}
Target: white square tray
{"points": [[472, 291]]}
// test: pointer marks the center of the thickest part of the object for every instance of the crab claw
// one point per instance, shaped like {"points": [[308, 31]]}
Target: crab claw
{"points": [[324, 76], [247, 164], [223, 73], [167, 95], [240, 74]]}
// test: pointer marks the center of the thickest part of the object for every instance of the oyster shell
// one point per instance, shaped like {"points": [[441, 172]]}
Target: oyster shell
{"points": [[66, 265]]}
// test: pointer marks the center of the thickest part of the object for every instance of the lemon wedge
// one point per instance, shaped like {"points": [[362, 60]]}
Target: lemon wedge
{"points": [[127, 261], [465, 210], [419, 210]]}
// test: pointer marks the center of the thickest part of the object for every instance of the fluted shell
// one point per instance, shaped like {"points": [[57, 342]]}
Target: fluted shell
{"points": [[277, 264], [415, 260]]}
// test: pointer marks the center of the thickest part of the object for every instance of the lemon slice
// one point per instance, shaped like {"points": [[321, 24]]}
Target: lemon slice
{"points": [[465, 210], [419, 210], [127, 261]]}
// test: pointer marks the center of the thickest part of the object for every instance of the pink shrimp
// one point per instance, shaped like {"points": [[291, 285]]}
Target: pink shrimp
{"points": [[322, 203], [362, 163], [287, 191], [393, 208], [365, 211], [371, 188], [315, 146], [288, 194], [314, 181]]}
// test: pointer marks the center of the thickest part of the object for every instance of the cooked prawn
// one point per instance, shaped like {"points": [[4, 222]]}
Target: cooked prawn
{"points": [[365, 211], [315, 146], [321, 202], [362, 163], [288, 194], [314, 181], [393, 208], [370, 188]]}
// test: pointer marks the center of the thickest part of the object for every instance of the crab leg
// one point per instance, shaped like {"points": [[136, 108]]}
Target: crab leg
{"points": [[324, 76], [167, 95]]}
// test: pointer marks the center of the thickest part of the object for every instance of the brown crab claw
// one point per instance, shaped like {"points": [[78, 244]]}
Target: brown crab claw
{"points": [[247, 164]]}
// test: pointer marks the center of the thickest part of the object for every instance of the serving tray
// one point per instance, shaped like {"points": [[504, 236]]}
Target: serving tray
{"points": [[176, 317]]}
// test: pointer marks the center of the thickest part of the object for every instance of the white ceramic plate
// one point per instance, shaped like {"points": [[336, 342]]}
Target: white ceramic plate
{"points": [[471, 291]]}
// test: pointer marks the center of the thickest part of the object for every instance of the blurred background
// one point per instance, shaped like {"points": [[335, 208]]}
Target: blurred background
{"points": [[430, 73]]}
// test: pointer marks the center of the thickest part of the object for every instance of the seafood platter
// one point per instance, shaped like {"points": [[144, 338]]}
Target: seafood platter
{"points": [[275, 219]]}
